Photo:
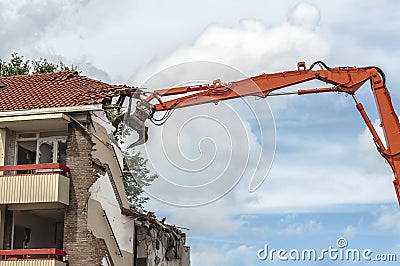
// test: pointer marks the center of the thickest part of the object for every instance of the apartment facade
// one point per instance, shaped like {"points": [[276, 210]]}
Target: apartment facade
{"points": [[62, 198]]}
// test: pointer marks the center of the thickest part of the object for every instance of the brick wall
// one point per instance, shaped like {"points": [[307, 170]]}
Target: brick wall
{"points": [[82, 247]]}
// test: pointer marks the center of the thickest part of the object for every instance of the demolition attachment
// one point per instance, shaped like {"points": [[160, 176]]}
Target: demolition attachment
{"points": [[136, 121]]}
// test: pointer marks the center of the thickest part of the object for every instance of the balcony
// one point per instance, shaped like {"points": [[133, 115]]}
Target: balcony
{"points": [[34, 184], [32, 257]]}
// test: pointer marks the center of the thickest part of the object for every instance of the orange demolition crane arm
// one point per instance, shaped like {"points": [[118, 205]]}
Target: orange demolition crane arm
{"points": [[342, 79]]}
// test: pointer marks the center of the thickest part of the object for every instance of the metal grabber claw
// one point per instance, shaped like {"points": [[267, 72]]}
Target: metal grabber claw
{"points": [[137, 120]]}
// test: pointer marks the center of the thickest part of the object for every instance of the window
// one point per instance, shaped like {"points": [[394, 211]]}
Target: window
{"points": [[42, 147], [46, 151], [26, 152]]}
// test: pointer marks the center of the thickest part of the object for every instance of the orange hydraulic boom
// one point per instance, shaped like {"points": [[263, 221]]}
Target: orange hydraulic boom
{"points": [[342, 79]]}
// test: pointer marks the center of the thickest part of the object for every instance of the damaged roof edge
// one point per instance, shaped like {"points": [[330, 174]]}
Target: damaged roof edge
{"points": [[68, 109], [137, 216]]}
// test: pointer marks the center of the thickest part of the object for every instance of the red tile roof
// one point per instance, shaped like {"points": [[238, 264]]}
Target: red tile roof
{"points": [[60, 89]]}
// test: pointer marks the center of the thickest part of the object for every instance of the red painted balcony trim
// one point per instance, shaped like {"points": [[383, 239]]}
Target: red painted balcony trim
{"points": [[51, 167], [33, 254]]}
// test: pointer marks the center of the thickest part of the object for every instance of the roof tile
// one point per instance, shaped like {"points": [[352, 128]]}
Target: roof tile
{"points": [[59, 89]]}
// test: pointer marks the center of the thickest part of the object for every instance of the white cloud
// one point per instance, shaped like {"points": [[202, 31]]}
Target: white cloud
{"points": [[253, 47], [289, 226], [216, 219], [350, 231], [373, 161], [389, 219], [305, 15], [225, 255], [23, 23]]}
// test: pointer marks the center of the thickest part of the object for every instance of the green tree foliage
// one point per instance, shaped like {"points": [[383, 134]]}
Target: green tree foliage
{"points": [[43, 66], [136, 176], [18, 65]]}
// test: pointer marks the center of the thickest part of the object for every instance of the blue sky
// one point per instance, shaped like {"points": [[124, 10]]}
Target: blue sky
{"points": [[326, 180]]}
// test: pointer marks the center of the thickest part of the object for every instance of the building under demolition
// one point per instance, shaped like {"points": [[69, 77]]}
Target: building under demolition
{"points": [[62, 197]]}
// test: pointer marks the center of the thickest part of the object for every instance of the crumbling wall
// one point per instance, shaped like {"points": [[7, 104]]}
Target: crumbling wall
{"points": [[103, 206], [108, 194], [162, 246], [82, 247], [109, 154]]}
